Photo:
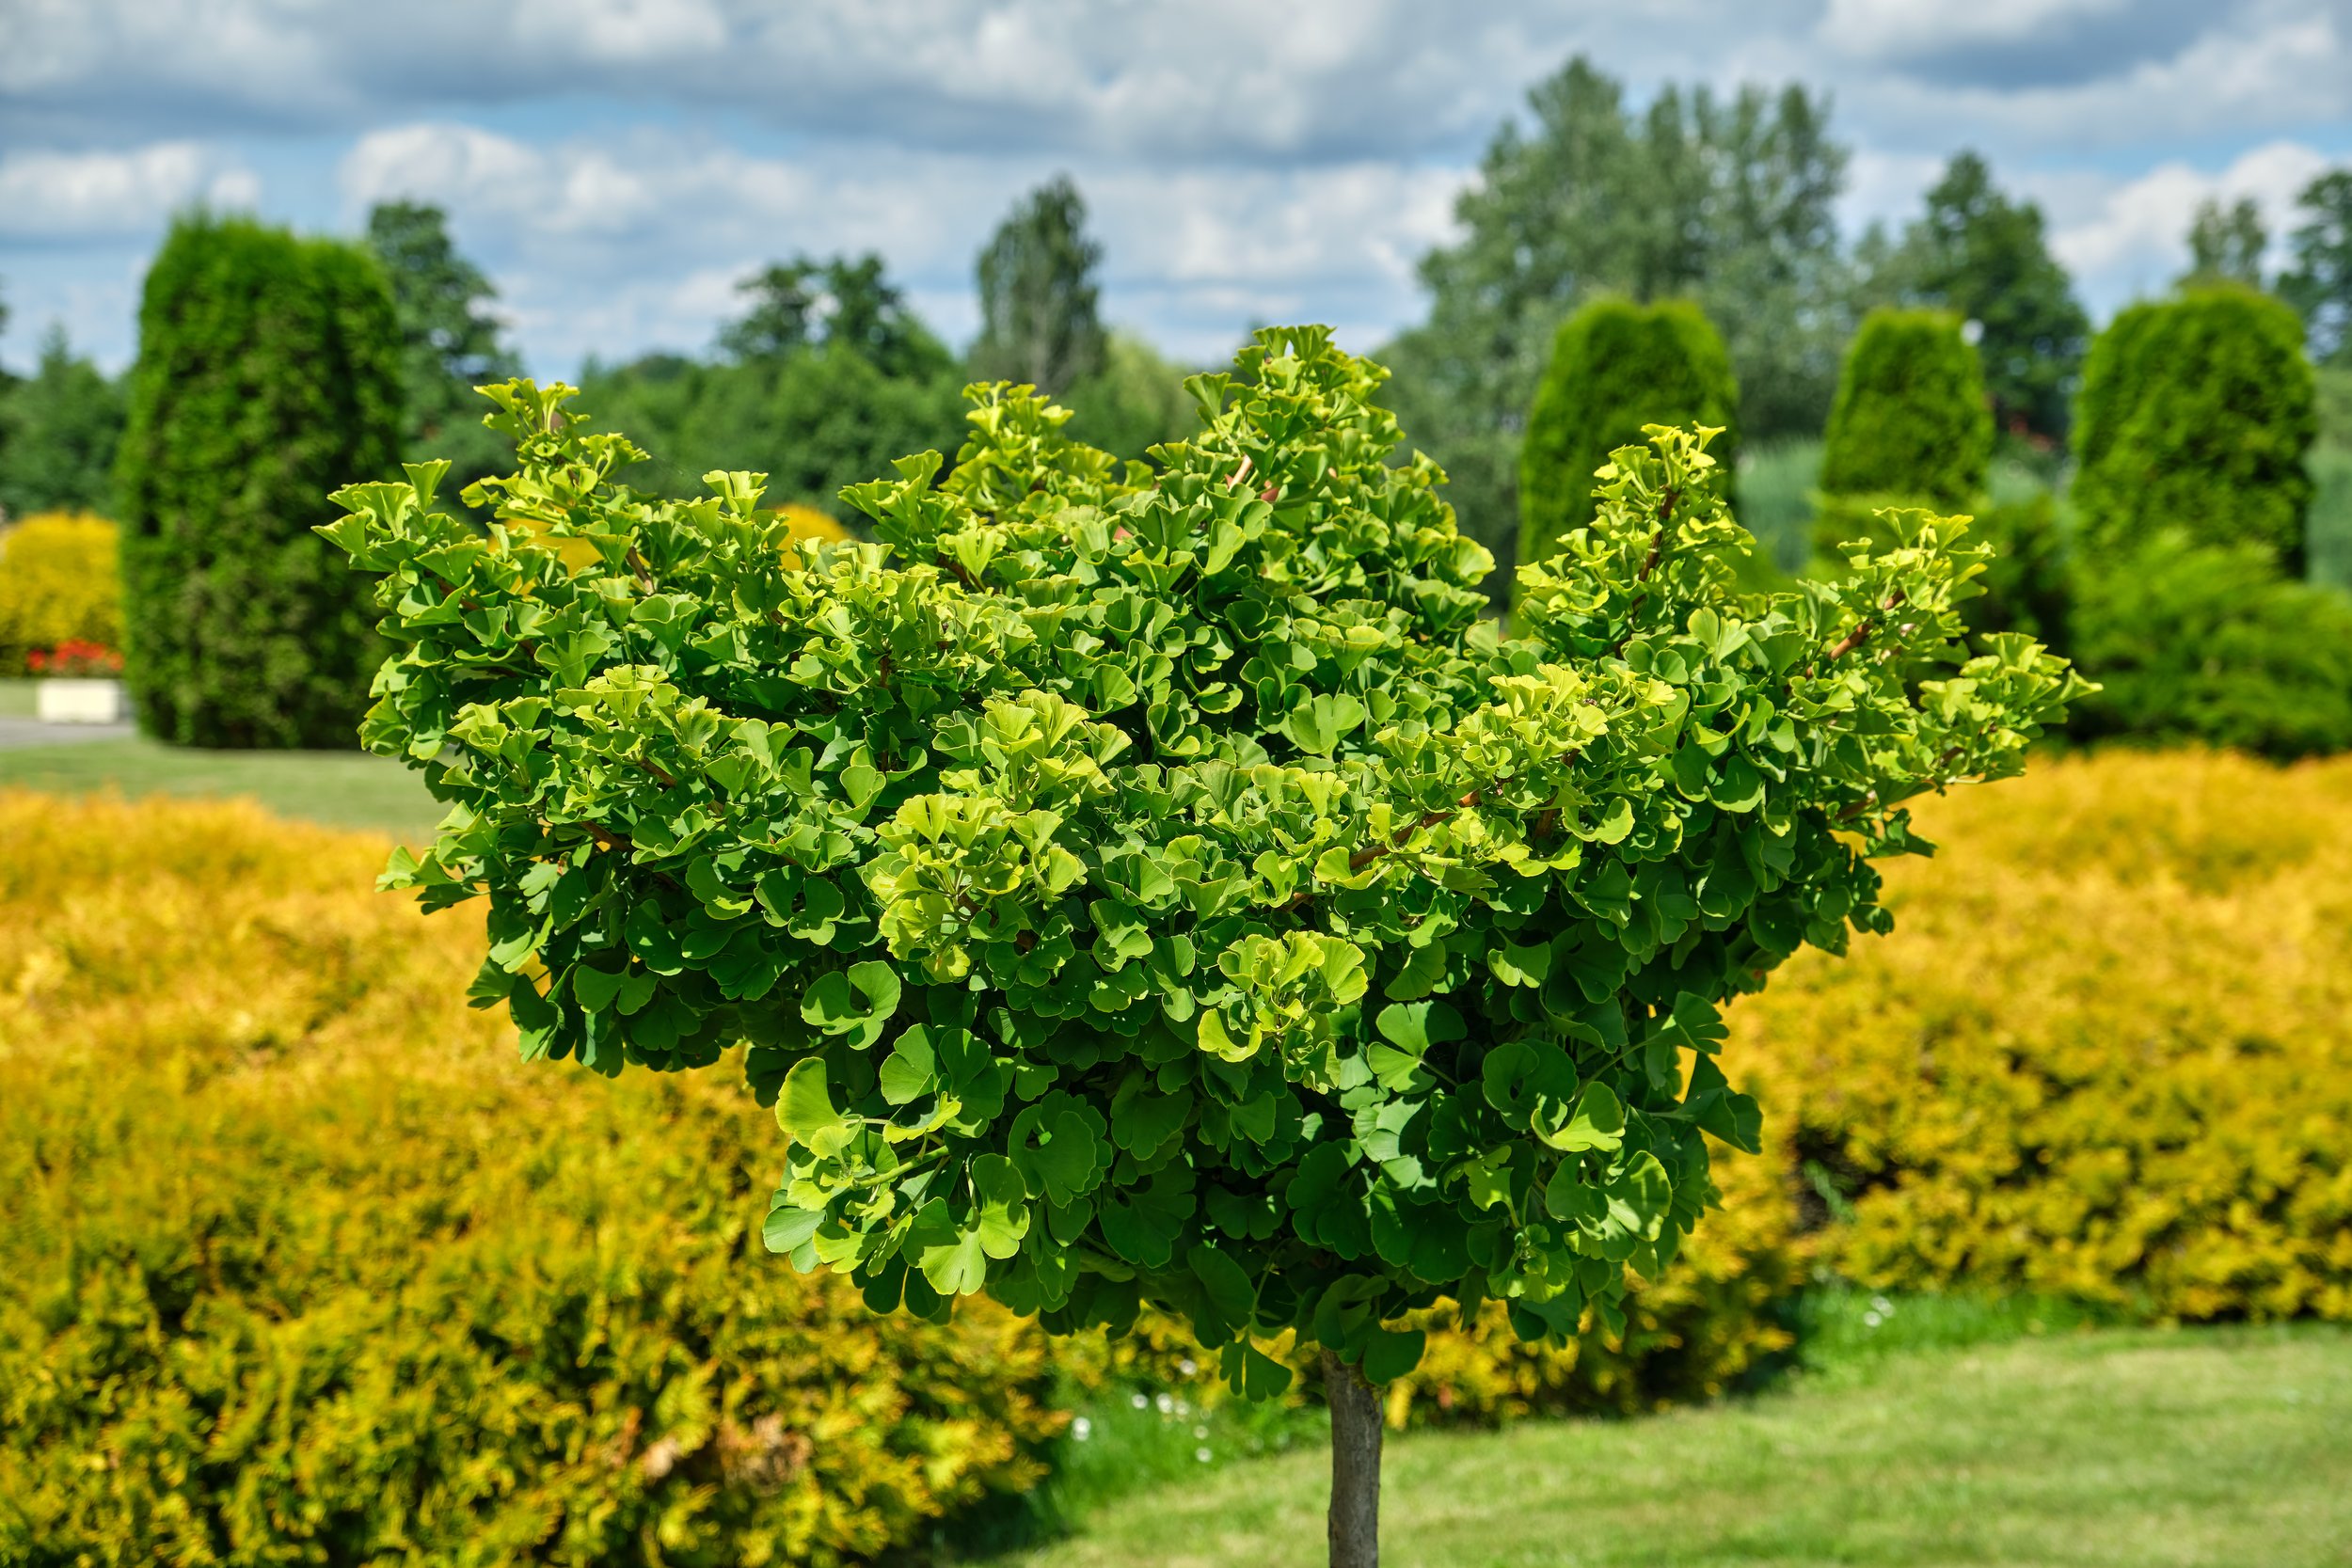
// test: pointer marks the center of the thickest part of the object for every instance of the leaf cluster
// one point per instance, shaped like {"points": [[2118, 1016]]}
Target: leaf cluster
{"points": [[1156, 883]]}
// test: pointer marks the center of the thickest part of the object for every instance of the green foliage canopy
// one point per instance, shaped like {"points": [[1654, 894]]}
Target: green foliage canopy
{"points": [[2195, 415], [1911, 418], [450, 341], [2211, 643], [1726, 201], [2226, 244], [2319, 282], [1985, 257], [1167, 885], [1617, 367], [269, 370], [62, 425], [1041, 312], [829, 374]]}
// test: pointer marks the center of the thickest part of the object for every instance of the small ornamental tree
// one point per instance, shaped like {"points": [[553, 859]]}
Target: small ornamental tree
{"points": [[1616, 368], [1911, 417], [2195, 413], [1161, 885]]}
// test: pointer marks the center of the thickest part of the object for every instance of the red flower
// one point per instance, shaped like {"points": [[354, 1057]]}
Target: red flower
{"points": [[74, 657]]}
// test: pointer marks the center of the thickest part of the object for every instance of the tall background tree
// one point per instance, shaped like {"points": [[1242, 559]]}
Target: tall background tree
{"points": [[1040, 309], [61, 427], [2318, 279], [269, 371], [828, 376], [1986, 258], [450, 341], [2226, 244], [1727, 202]]}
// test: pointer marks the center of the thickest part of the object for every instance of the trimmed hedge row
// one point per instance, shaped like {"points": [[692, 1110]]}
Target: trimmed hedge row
{"points": [[2107, 1060], [301, 1265]]}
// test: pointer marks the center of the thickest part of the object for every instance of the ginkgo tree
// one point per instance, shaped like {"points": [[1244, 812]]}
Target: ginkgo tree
{"points": [[1160, 884]]}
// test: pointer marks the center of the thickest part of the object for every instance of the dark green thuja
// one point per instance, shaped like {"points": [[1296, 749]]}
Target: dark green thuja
{"points": [[1616, 369], [2195, 415], [268, 370], [1911, 418], [1159, 884]]}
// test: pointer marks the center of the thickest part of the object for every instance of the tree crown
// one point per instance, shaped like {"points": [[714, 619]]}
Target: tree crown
{"points": [[1161, 884]]}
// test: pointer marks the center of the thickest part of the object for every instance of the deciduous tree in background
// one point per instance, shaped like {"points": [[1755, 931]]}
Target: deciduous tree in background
{"points": [[1041, 314], [828, 376], [1985, 257], [1616, 366], [1167, 887], [450, 341], [1728, 202], [269, 369], [2318, 283], [62, 425], [2226, 244]]}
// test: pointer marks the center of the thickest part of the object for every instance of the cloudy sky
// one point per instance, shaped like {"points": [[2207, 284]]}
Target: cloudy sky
{"points": [[618, 165]]}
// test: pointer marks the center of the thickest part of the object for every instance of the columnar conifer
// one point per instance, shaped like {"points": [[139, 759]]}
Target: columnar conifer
{"points": [[269, 370], [2195, 416], [1615, 367]]}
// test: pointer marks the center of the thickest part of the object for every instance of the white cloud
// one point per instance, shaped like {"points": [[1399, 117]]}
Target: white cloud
{"points": [[82, 196], [2131, 238], [637, 239]]}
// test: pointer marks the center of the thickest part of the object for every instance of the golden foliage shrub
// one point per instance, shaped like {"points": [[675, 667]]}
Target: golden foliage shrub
{"points": [[59, 582], [298, 1265], [2105, 1054]]}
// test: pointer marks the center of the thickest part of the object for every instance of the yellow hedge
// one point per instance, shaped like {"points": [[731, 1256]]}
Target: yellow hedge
{"points": [[2105, 1054], [59, 581], [298, 1265]]}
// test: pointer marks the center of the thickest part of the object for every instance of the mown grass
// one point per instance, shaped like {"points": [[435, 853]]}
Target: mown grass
{"points": [[337, 790], [2118, 1447]]}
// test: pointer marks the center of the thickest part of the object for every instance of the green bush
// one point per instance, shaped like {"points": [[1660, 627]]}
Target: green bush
{"points": [[2195, 415], [2211, 642], [1776, 499], [1616, 366], [1911, 418], [269, 370]]}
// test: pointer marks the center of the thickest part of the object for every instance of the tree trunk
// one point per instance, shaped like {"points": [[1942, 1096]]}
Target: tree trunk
{"points": [[1356, 1429]]}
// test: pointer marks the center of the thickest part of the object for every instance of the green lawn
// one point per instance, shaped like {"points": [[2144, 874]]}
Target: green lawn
{"points": [[342, 789], [2118, 1447]]}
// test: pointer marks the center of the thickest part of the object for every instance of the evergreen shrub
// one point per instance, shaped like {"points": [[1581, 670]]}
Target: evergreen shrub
{"points": [[2212, 643], [1616, 368], [2195, 415], [59, 582], [301, 1265], [269, 371], [1911, 418], [2107, 1059]]}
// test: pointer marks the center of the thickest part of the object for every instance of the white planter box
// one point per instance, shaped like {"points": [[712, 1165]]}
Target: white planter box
{"points": [[81, 702]]}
